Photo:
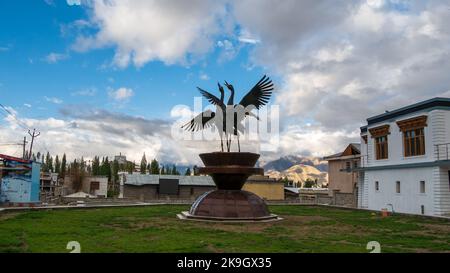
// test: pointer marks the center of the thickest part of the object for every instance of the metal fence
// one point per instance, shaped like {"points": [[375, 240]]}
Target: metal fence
{"points": [[441, 151]]}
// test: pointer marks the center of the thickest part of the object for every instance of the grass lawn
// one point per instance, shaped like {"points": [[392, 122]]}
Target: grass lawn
{"points": [[156, 229]]}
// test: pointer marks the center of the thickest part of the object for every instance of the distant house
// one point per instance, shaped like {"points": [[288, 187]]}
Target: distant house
{"points": [[121, 159], [19, 180], [405, 159], [291, 193], [50, 186], [265, 187], [153, 187], [343, 174], [146, 187], [91, 185]]}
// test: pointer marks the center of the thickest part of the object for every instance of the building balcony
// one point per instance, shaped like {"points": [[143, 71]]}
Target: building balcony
{"points": [[442, 152]]}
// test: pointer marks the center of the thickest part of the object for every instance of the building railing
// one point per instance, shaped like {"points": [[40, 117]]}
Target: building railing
{"points": [[364, 161], [442, 151]]}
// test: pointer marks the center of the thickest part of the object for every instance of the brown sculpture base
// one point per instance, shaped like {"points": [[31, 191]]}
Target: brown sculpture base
{"points": [[230, 206], [229, 172]]}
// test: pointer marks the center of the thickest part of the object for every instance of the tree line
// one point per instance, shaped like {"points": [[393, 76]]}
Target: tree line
{"points": [[102, 166]]}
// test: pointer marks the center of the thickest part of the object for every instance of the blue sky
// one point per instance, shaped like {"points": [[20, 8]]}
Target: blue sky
{"points": [[101, 77], [29, 36]]}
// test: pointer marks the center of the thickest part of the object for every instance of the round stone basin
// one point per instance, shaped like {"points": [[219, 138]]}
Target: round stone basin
{"points": [[230, 171]]}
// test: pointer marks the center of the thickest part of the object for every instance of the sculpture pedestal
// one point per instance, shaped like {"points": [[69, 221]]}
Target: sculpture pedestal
{"points": [[229, 171]]}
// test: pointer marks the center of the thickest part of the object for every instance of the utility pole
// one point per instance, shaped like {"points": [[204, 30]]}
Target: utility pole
{"points": [[24, 155], [33, 136]]}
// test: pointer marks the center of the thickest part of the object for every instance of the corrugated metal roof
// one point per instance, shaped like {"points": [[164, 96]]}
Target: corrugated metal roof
{"points": [[153, 179]]}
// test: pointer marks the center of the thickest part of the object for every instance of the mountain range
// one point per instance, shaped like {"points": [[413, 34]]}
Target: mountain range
{"points": [[285, 162], [298, 169]]}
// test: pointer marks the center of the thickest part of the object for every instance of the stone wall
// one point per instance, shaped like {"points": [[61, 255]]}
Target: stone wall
{"points": [[150, 192], [345, 199]]}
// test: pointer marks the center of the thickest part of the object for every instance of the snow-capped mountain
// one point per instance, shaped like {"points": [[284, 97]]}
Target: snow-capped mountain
{"points": [[298, 169], [285, 162]]}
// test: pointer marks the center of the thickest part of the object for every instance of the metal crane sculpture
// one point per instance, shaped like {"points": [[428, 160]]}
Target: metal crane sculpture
{"points": [[209, 118], [258, 96]]}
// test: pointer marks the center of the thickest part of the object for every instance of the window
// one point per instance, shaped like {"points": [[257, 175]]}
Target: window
{"points": [[422, 186], [94, 187], [381, 147], [414, 142], [347, 166], [192, 190], [397, 187], [355, 164], [413, 135], [377, 186], [422, 209]]}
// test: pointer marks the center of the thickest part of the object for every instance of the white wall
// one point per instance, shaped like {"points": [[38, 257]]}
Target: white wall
{"points": [[409, 200], [441, 191]]}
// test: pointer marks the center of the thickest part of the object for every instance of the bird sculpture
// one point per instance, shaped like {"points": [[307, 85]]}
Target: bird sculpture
{"points": [[258, 96], [228, 118]]}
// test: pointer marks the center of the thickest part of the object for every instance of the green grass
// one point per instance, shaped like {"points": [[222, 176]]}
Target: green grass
{"points": [[156, 229]]}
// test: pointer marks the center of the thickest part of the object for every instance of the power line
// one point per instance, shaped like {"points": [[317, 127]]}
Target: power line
{"points": [[19, 122], [11, 144]]}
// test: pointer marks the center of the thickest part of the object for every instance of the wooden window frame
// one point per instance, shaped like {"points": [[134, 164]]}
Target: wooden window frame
{"points": [[413, 130], [414, 142], [381, 147]]}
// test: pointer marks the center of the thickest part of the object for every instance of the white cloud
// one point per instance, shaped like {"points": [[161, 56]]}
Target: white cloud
{"points": [[228, 50], [99, 132], [342, 63], [73, 2], [142, 31], [50, 2], [53, 100], [246, 37], [121, 95], [87, 92], [27, 105], [203, 76], [54, 58]]}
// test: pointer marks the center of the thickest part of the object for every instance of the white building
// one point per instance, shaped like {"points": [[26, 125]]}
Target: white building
{"points": [[405, 160]]}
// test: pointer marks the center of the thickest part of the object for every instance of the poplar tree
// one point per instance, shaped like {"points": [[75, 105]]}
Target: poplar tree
{"points": [[143, 165], [154, 167], [57, 165], [63, 166]]}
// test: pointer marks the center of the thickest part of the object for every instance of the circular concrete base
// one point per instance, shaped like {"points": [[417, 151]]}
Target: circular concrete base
{"points": [[185, 215], [229, 205]]}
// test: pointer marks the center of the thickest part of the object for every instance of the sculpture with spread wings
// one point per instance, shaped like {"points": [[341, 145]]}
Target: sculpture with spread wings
{"points": [[231, 114]]}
